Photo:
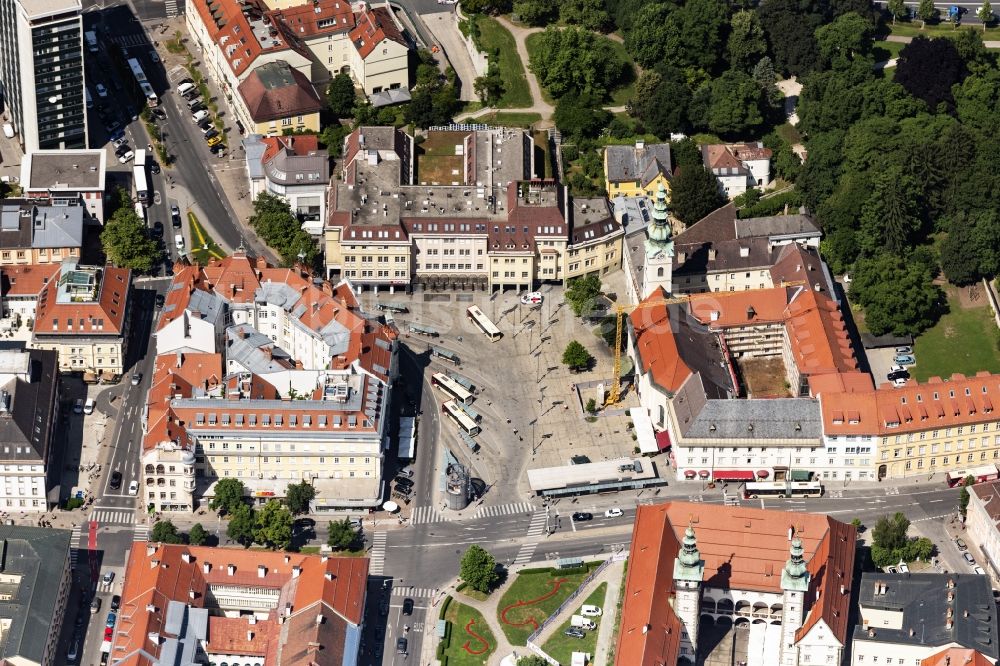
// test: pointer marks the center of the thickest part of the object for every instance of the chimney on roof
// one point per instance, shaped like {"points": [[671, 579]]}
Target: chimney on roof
{"points": [[640, 145], [252, 620], [871, 633], [261, 571], [324, 558], [287, 559], [296, 571], [744, 251], [912, 632], [328, 575], [206, 567], [230, 569], [319, 618], [949, 624], [153, 564], [951, 583], [711, 254], [154, 637], [249, 636], [191, 594], [180, 358], [150, 549], [682, 257], [186, 557], [150, 608], [751, 313]]}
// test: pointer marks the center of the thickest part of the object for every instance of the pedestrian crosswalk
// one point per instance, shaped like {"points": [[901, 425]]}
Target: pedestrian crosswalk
{"points": [[535, 532], [74, 545], [427, 514], [503, 510], [140, 533], [113, 516], [171, 7], [413, 592], [133, 39], [377, 557]]}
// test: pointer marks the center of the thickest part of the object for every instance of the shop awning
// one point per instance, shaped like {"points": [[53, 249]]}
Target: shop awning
{"points": [[732, 475], [799, 475], [690, 474], [703, 473], [763, 473], [663, 440], [643, 430]]}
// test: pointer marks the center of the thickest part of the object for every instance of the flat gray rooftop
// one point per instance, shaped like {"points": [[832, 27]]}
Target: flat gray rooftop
{"points": [[64, 169]]}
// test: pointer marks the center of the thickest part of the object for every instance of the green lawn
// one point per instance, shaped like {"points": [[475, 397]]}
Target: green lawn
{"points": [[561, 647], [962, 341], [549, 588], [887, 50], [510, 119], [789, 134], [203, 247], [493, 36], [620, 95], [466, 646], [943, 29]]}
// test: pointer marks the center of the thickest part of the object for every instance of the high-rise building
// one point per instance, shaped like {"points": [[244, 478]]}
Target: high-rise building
{"points": [[41, 72]]}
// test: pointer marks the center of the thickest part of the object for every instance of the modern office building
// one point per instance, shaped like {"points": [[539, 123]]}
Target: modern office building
{"points": [[41, 72]]}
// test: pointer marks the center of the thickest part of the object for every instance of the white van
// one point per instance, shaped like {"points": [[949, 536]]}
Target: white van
{"points": [[184, 87], [88, 407], [581, 622], [198, 116], [590, 611], [179, 241]]}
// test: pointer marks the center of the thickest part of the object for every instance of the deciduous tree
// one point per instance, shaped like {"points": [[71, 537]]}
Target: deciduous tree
{"points": [[848, 37], [576, 356], [928, 68], [576, 60], [341, 534], [694, 194], [273, 525], [535, 12], [985, 13], [242, 525], [730, 105], [897, 294], [926, 12], [590, 14], [229, 494], [661, 101], [197, 536], [897, 8], [746, 44], [165, 531], [581, 293], [479, 569], [789, 26], [580, 115], [298, 496], [340, 95], [125, 238]]}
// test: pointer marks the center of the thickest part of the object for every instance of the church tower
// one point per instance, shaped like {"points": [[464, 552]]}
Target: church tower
{"points": [[658, 270], [688, 572], [794, 583]]}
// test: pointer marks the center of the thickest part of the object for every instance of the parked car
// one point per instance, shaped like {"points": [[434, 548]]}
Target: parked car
{"points": [[215, 140], [961, 544], [116, 483], [403, 483], [111, 619], [199, 115], [133, 488], [154, 167], [968, 557], [899, 374], [127, 157], [157, 228], [88, 407], [978, 570], [101, 90], [78, 406], [159, 113], [406, 472], [122, 149], [95, 605], [109, 633], [160, 300], [175, 217], [119, 142], [401, 645], [573, 632], [531, 298], [116, 602], [154, 56], [590, 611], [900, 382], [407, 606], [210, 132], [109, 576], [74, 650], [199, 106], [904, 350], [614, 512], [580, 516], [904, 359]]}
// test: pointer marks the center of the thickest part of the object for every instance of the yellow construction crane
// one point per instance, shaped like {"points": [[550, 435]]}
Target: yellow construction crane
{"points": [[614, 394]]}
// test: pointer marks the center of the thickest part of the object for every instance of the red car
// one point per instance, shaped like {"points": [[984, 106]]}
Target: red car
{"points": [[108, 632]]}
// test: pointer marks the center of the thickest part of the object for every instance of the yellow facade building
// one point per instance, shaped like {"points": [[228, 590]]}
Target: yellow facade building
{"points": [[637, 170]]}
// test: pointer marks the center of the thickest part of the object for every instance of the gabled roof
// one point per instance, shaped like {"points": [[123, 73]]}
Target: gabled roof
{"points": [[64, 311], [730, 159], [373, 27], [20, 281], [276, 90], [956, 657], [641, 163]]}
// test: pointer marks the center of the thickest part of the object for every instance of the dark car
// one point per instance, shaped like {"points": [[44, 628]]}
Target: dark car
{"points": [[579, 460], [211, 132], [582, 515], [116, 602], [175, 216], [407, 606], [160, 113], [122, 149], [573, 632], [159, 300], [158, 229], [116, 480], [403, 483], [154, 167], [200, 106], [401, 645], [383, 606]]}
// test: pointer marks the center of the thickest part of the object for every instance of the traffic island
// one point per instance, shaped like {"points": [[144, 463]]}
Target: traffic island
{"points": [[468, 640], [534, 595], [203, 247]]}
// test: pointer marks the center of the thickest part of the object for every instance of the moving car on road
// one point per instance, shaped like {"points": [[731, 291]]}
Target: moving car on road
{"points": [[580, 516], [109, 576], [400, 645], [133, 488], [614, 512], [116, 483], [407, 606]]}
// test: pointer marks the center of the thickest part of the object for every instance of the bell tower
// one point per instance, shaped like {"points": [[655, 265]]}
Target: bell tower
{"points": [[688, 572], [658, 270], [794, 584]]}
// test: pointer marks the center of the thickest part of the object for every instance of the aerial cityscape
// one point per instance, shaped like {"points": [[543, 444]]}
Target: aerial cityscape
{"points": [[499, 332]]}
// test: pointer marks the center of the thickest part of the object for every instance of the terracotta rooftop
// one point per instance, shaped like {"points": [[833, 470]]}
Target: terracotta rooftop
{"points": [[26, 280], [742, 549], [317, 18], [989, 495], [374, 26], [955, 656], [276, 90], [84, 300], [310, 584]]}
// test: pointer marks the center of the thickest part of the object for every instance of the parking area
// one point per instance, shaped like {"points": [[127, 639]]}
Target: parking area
{"points": [[880, 361], [530, 407]]}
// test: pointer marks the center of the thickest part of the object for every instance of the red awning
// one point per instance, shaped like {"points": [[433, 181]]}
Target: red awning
{"points": [[763, 473], [732, 475], [690, 474], [703, 473], [663, 440]]}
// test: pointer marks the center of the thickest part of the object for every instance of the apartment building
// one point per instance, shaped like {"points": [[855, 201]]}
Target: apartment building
{"points": [[66, 178], [315, 41], [738, 166], [30, 464], [982, 524], [84, 314], [696, 570], [194, 604], [463, 211], [637, 170], [277, 98], [42, 74], [39, 234], [20, 288], [939, 426], [37, 579], [294, 168], [269, 376], [702, 366]]}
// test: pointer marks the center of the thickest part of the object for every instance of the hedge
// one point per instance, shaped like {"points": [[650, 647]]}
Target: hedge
{"points": [[444, 606], [461, 586]]}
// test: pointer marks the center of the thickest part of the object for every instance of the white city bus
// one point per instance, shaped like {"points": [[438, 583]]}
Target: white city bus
{"points": [[140, 78], [463, 420], [780, 489], [451, 387], [484, 323]]}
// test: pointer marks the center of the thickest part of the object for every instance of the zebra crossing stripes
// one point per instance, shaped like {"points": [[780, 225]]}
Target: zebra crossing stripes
{"points": [[113, 516], [525, 553], [377, 558], [413, 592], [140, 533], [74, 545], [535, 531], [131, 40], [427, 514], [503, 510], [171, 7]]}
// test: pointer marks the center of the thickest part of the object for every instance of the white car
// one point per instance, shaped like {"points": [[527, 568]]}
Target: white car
{"points": [[897, 368], [532, 298], [133, 487], [101, 90], [119, 142], [88, 407], [614, 513], [978, 570], [127, 157], [590, 611]]}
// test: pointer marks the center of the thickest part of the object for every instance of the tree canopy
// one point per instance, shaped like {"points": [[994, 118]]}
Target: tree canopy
{"points": [[928, 68], [576, 356], [575, 60], [229, 494], [897, 294], [298, 496], [125, 238], [273, 525], [165, 531], [242, 525], [581, 293], [891, 543], [340, 95], [479, 569], [694, 193], [197, 536], [277, 225], [341, 534]]}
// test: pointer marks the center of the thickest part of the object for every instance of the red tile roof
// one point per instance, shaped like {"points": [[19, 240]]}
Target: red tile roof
{"points": [[317, 18], [955, 656], [333, 587], [742, 549], [300, 144], [374, 26], [277, 90], [105, 315], [26, 280]]}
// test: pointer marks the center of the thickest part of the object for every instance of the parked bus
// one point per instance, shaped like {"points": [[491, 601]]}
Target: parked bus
{"points": [[461, 419], [445, 354], [139, 177], [451, 387], [462, 381], [484, 323], [140, 78], [423, 330], [91, 38], [398, 308], [780, 489]]}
